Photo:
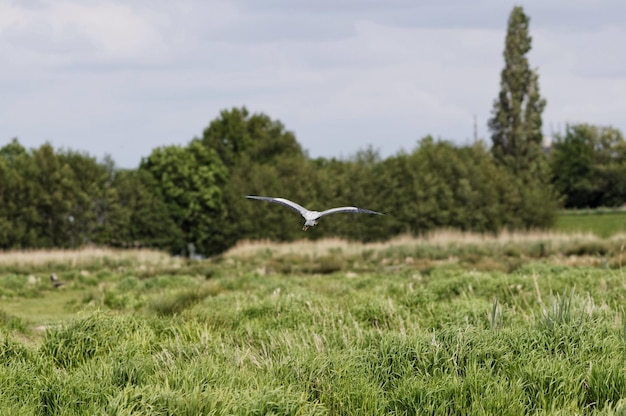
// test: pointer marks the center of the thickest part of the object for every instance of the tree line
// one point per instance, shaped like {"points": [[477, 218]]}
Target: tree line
{"points": [[195, 193], [191, 198]]}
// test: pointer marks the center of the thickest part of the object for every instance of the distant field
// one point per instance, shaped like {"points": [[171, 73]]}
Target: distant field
{"points": [[450, 324], [603, 223]]}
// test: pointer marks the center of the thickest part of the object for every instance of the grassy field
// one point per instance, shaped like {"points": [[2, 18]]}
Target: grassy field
{"points": [[449, 324], [602, 222]]}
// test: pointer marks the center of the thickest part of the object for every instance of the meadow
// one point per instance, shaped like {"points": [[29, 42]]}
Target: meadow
{"points": [[447, 324], [603, 222]]}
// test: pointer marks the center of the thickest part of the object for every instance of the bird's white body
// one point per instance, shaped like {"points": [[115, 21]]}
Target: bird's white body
{"points": [[311, 217]]}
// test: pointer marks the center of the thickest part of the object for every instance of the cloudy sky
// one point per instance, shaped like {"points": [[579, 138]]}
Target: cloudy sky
{"points": [[122, 77]]}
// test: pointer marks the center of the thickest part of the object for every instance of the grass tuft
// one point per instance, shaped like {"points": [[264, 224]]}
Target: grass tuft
{"points": [[176, 302], [562, 312], [80, 340], [13, 323]]}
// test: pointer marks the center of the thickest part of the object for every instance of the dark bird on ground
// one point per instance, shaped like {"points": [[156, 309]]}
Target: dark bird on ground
{"points": [[55, 281], [311, 217]]}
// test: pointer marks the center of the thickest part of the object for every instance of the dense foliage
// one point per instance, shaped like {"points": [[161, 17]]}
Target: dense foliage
{"points": [[186, 198], [589, 166], [190, 181], [191, 198]]}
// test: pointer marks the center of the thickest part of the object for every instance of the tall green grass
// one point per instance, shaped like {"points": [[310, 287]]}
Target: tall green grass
{"points": [[476, 328], [400, 343]]}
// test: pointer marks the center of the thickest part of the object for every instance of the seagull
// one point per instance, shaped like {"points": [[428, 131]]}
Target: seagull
{"points": [[312, 217], [55, 281]]}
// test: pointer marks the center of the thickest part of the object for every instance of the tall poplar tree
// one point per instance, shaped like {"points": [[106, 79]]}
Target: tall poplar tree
{"points": [[516, 133], [516, 123]]}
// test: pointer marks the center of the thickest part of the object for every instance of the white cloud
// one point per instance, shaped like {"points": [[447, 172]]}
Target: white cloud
{"points": [[80, 30], [124, 77], [115, 28]]}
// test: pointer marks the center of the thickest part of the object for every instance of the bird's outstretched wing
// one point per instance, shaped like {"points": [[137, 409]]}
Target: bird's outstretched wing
{"points": [[354, 210], [282, 201]]}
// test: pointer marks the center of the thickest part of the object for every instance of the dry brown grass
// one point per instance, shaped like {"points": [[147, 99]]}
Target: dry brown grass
{"points": [[85, 257], [441, 238], [99, 256]]}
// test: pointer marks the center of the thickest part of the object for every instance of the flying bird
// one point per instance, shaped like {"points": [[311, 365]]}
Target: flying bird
{"points": [[311, 217]]}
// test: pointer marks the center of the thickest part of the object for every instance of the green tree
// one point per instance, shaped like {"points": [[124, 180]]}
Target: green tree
{"points": [[531, 202], [262, 157], [190, 180], [516, 133], [55, 191], [440, 185], [88, 213], [37, 191], [237, 133], [143, 219], [516, 122], [15, 217], [12, 151], [588, 166], [353, 181]]}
